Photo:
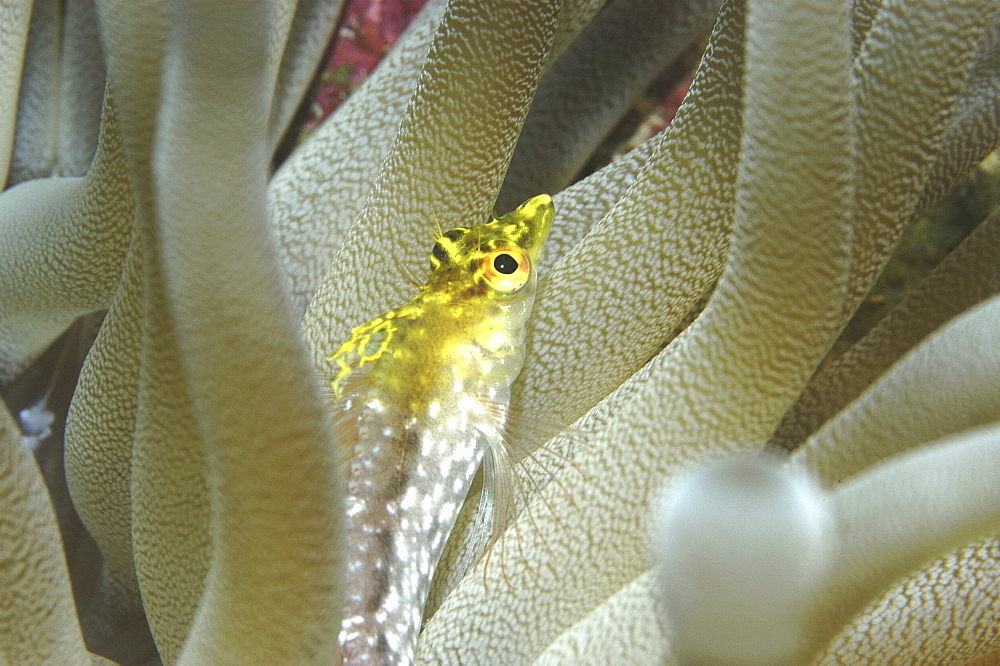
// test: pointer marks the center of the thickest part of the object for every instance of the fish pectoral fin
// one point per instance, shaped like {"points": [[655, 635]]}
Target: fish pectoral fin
{"points": [[343, 410]]}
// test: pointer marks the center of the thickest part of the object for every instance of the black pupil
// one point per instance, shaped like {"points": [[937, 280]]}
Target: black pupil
{"points": [[504, 263]]}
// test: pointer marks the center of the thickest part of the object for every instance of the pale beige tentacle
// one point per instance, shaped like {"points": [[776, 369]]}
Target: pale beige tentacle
{"points": [[585, 203], [654, 254], [101, 424], [272, 591], [894, 517], [62, 245], [317, 193], [37, 615], [865, 12], [14, 20], [81, 88], [303, 43], [637, 610], [949, 612], [36, 134], [170, 510], [973, 128], [170, 505], [59, 108], [593, 83], [898, 412], [900, 126], [574, 15], [968, 275]]}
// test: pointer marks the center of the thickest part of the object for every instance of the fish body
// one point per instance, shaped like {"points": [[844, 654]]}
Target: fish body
{"points": [[422, 396]]}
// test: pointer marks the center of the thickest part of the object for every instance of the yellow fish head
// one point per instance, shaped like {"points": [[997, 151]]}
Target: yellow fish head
{"points": [[499, 256]]}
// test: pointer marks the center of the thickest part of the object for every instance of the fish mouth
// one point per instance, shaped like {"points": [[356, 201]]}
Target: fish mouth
{"points": [[535, 216]]}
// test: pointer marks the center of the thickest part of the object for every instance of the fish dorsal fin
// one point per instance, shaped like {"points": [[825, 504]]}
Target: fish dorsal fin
{"points": [[367, 343]]}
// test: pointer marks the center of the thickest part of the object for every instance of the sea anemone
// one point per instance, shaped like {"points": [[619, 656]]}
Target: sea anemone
{"points": [[693, 288]]}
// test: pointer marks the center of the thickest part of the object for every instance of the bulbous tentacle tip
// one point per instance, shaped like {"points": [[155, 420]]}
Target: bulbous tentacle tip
{"points": [[742, 545]]}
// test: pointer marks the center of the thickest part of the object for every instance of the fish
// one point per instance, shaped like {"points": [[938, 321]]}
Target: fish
{"points": [[421, 395]]}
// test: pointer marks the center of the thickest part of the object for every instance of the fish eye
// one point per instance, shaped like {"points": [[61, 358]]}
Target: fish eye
{"points": [[504, 263], [505, 269]]}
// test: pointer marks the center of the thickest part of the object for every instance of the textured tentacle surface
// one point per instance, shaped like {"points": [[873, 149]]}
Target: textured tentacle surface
{"points": [[896, 516], [36, 609], [593, 282], [271, 474], [299, 48], [15, 19], [318, 192], [968, 275], [907, 37], [865, 433], [196, 446], [73, 233], [591, 86]]}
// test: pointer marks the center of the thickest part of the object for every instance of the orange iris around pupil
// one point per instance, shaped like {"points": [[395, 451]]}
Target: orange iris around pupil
{"points": [[506, 269]]}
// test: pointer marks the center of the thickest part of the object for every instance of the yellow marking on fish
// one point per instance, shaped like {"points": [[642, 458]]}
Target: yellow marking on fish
{"points": [[367, 344], [423, 392]]}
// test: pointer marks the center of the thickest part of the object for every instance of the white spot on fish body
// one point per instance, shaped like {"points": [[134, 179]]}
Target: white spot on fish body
{"points": [[409, 499]]}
